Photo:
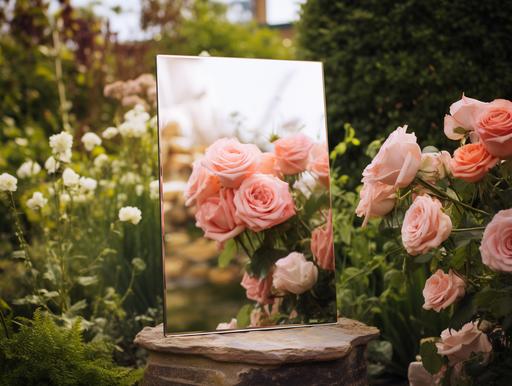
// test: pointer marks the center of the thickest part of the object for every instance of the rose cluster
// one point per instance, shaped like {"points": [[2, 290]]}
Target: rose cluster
{"points": [[426, 184], [237, 188]]}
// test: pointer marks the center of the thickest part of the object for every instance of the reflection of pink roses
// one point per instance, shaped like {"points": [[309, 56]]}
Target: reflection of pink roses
{"points": [[322, 245], [442, 289], [258, 289], [319, 162], [231, 160], [292, 153], [495, 128], [201, 184], [458, 345], [471, 162], [496, 247], [464, 113], [425, 225], [295, 274], [263, 201], [216, 216], [397, 161], [376, 200]]}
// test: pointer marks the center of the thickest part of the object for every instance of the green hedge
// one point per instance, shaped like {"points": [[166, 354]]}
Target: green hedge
{"points": [[392, 62]]}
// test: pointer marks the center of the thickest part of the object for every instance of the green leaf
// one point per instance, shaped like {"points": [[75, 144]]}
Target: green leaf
{"points": [[431, 360], [228, 253], [243, 318], [463, 311], [87, 280]]}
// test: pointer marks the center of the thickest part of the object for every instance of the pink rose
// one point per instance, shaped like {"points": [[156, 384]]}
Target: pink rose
{"points": [[441, 290], [216, 217], [425, 225], [201, 184], [319, 163], [263, 201], [231, 161], [268, 165], [458, 345], [495, 128], [292, 153], [258, 289], [471, 162], [463, 113], [295, 274], [435, 166], [322, 245], [397, 161], [376, 200], [496, 246]]}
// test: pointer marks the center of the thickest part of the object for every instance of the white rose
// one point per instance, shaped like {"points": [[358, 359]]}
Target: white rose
{"points": [[8, 183], [130, 214], [110, 132], [100, 161], [90, 141], [154, 190], [435, 166], [294, 274], [51, 165], [70, 178], [61, 146], [37, 201], [88, 183], [28, 169]]}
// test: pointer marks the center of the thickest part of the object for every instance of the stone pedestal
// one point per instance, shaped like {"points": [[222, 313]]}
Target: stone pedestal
{"points": [[320, 355]]}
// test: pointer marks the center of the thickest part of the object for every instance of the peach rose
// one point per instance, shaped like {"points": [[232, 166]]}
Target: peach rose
{"points": [[425, 225], [376, 200], [268, 165], [319, 162], [263, 201], [458, 345], [216, 217], [200, 185], [397, 161], [231, 161], [293, 153], [495, 128], [471, 162], [295, 274], [435, 166], [322, 245], [496, 246], [441, 290], [258, 289], [463, 114]]}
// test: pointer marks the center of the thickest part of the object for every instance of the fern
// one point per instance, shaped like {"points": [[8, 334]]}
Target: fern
{"points": [[42, 353]]}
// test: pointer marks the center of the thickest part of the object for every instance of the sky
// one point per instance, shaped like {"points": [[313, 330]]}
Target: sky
{"points": [[127, 24]]}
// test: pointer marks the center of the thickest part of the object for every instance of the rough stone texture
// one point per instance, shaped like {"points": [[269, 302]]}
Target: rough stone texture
{"points": [[319, 355], [418, 376]]}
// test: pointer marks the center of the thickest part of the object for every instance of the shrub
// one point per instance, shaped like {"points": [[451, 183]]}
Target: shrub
{"points": [[391, 62]]}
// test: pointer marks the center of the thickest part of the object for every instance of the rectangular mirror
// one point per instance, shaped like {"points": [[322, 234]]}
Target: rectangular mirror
{"points": [[245, 194]]}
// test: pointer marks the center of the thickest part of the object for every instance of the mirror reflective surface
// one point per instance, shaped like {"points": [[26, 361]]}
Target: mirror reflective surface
{"points": [[245, 194]]}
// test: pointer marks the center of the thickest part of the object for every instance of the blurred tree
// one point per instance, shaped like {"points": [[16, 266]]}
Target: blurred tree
{"points": [[389, 63]]}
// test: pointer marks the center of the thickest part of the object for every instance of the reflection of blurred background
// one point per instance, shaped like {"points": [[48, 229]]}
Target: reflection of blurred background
{"points": [[201, 100]]}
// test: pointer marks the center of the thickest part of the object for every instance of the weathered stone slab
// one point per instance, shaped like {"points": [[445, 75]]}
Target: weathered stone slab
{"points": [[319, 355], [303, 344]]}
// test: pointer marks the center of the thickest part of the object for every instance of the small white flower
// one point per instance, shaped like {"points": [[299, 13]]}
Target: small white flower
{"points": [[70, 178], [100, 161], [61, 146], [131, 214], [21, 141], [110, 132], [88, 183], [90, 141], [51, 165], [28, 169], [122, 197], [117, 165], [107, 184], [129, 178], [139, 189], [8, 183], [65, 198], [81, 198], [37, 201], [154, 190], [133, 128]]}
